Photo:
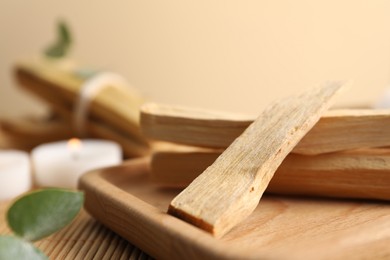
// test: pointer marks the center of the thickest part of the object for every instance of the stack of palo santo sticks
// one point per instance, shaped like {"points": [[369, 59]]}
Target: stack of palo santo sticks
{"points": [[113, 113], [344, 155], [295, 146]]}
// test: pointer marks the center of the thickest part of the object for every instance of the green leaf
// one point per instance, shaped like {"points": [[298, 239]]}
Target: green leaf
{"points": [[56, 51], [15, 248], [62, 45], [63, 33], [41, 213]]}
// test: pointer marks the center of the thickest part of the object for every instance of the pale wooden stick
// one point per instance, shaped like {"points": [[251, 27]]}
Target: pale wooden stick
{"points": [[178, 169], [362, 174], [28, 133], [337, 130], [53, 99], [346, 130], [230, 189], [36, 129], [192, 126]]}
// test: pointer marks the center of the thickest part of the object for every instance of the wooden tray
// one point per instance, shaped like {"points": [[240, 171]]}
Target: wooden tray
{"points": [[281, 227]]}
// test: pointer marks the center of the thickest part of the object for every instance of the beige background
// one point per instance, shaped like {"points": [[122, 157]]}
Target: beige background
{"points": [[231, 55]]}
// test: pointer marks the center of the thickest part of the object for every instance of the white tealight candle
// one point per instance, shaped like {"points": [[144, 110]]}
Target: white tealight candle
{"points": [[15, 175], [384, 100], [60, 164]]}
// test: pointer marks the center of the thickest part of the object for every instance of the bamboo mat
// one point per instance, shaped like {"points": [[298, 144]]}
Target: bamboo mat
{"points": [[84, 238]]}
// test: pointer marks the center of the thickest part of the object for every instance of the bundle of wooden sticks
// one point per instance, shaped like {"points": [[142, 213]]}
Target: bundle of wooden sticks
{"points": [[343, 155], [295, 146], [113, 113]]}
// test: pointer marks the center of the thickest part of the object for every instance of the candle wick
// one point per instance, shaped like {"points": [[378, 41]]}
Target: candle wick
{"points": [[74, 146]]}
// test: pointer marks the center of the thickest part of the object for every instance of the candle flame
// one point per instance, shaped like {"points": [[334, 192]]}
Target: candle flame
{"points": [[74, 144]]}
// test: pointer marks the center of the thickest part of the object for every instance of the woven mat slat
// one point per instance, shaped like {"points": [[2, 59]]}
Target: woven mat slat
{"points": [[84, 238]]}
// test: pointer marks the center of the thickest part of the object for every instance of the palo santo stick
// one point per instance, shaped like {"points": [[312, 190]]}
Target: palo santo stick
{"points": [[37, 130], [28, 133], [230, 189], [346, 130], [362, 174], [192, 126], [177, 169], [337, 130]]}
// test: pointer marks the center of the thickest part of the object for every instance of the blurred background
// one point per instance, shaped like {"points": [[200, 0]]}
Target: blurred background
{"points": [[228, 55]]}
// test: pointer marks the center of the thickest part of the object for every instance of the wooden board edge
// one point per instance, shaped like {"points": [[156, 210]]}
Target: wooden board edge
{"points": [[154, 231]]}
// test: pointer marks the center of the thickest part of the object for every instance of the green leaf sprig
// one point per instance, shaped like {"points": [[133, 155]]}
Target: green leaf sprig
{"points": [[61, 46], [36, 215]]}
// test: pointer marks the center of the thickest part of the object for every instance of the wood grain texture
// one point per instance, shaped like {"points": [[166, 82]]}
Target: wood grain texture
{"points": [[347, 129], [229, 190], [192, 126], [281, 227], [337, 130], [84, 238], [363, 174]]}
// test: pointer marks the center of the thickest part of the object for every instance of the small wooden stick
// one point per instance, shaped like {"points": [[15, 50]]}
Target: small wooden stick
{"points": [[36, 129], [27, 134], [349, 129], [230, 189], [357, 174], [30, 132], [192, 126], [337, 130]]}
